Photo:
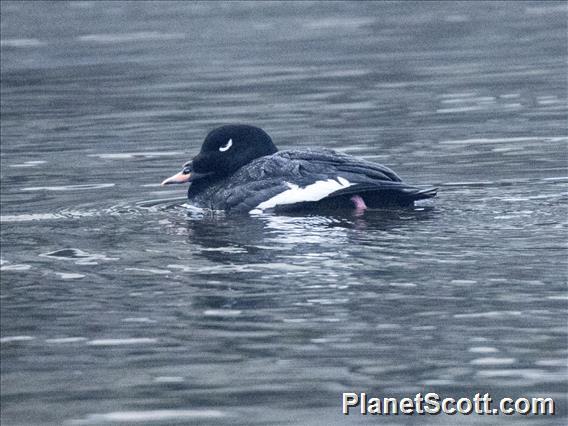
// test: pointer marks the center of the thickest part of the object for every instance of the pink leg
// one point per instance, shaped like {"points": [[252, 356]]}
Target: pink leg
{"points": [[359, 202]]}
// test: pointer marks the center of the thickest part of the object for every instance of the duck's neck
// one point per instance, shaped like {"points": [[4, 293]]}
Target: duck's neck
{"points": [[198, 186]]}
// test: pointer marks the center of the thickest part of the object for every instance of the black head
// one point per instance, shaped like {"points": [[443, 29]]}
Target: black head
{"points": [[224, 151], [228, 148]]}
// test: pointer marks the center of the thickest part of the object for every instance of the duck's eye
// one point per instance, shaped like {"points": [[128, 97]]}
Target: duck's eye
{"points": [[186, 169], [226, 146]]}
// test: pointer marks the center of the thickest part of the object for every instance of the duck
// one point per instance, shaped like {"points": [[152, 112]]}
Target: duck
{"points": [[240, 170]]}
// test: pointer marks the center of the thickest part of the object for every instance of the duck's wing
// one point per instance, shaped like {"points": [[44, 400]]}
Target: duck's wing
{"points": [[294, 178], [379, 185], [329, 162]]}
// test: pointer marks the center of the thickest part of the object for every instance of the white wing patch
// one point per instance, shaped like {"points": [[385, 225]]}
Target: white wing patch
{"points": [[314, 192]]}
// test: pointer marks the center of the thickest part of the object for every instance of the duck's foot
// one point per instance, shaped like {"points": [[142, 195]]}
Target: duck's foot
{"points": [[359, 203]]}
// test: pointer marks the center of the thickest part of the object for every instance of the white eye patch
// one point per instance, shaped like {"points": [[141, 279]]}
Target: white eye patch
{"points": [[226, 146]]}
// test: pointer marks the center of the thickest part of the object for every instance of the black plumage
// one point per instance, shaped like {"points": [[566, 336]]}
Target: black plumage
{"points": [[279, 180]]}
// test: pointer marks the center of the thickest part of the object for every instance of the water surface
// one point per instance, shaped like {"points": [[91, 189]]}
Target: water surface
{"points": [[118, 305]]}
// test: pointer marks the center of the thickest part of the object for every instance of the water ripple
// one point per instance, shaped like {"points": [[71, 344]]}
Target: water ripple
{"points": [[78, 256], [139, 36], [70, 187]]}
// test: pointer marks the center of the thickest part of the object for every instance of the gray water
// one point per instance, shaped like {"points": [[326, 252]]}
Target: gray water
{"points": [[118, 305]]}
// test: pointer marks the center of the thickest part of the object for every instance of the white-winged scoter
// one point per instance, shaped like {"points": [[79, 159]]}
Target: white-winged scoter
{"points": [[239, 169]]}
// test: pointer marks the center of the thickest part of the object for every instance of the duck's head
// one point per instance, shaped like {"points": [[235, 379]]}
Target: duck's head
{"points": [[224, 151]]}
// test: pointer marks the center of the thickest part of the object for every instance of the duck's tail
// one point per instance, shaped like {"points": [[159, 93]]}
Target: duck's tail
{"points": [[424, 194], [386, 193]]}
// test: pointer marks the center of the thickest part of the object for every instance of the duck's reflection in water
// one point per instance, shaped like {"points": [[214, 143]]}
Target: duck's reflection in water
{"points": [[228, 239], [254, 262]]}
